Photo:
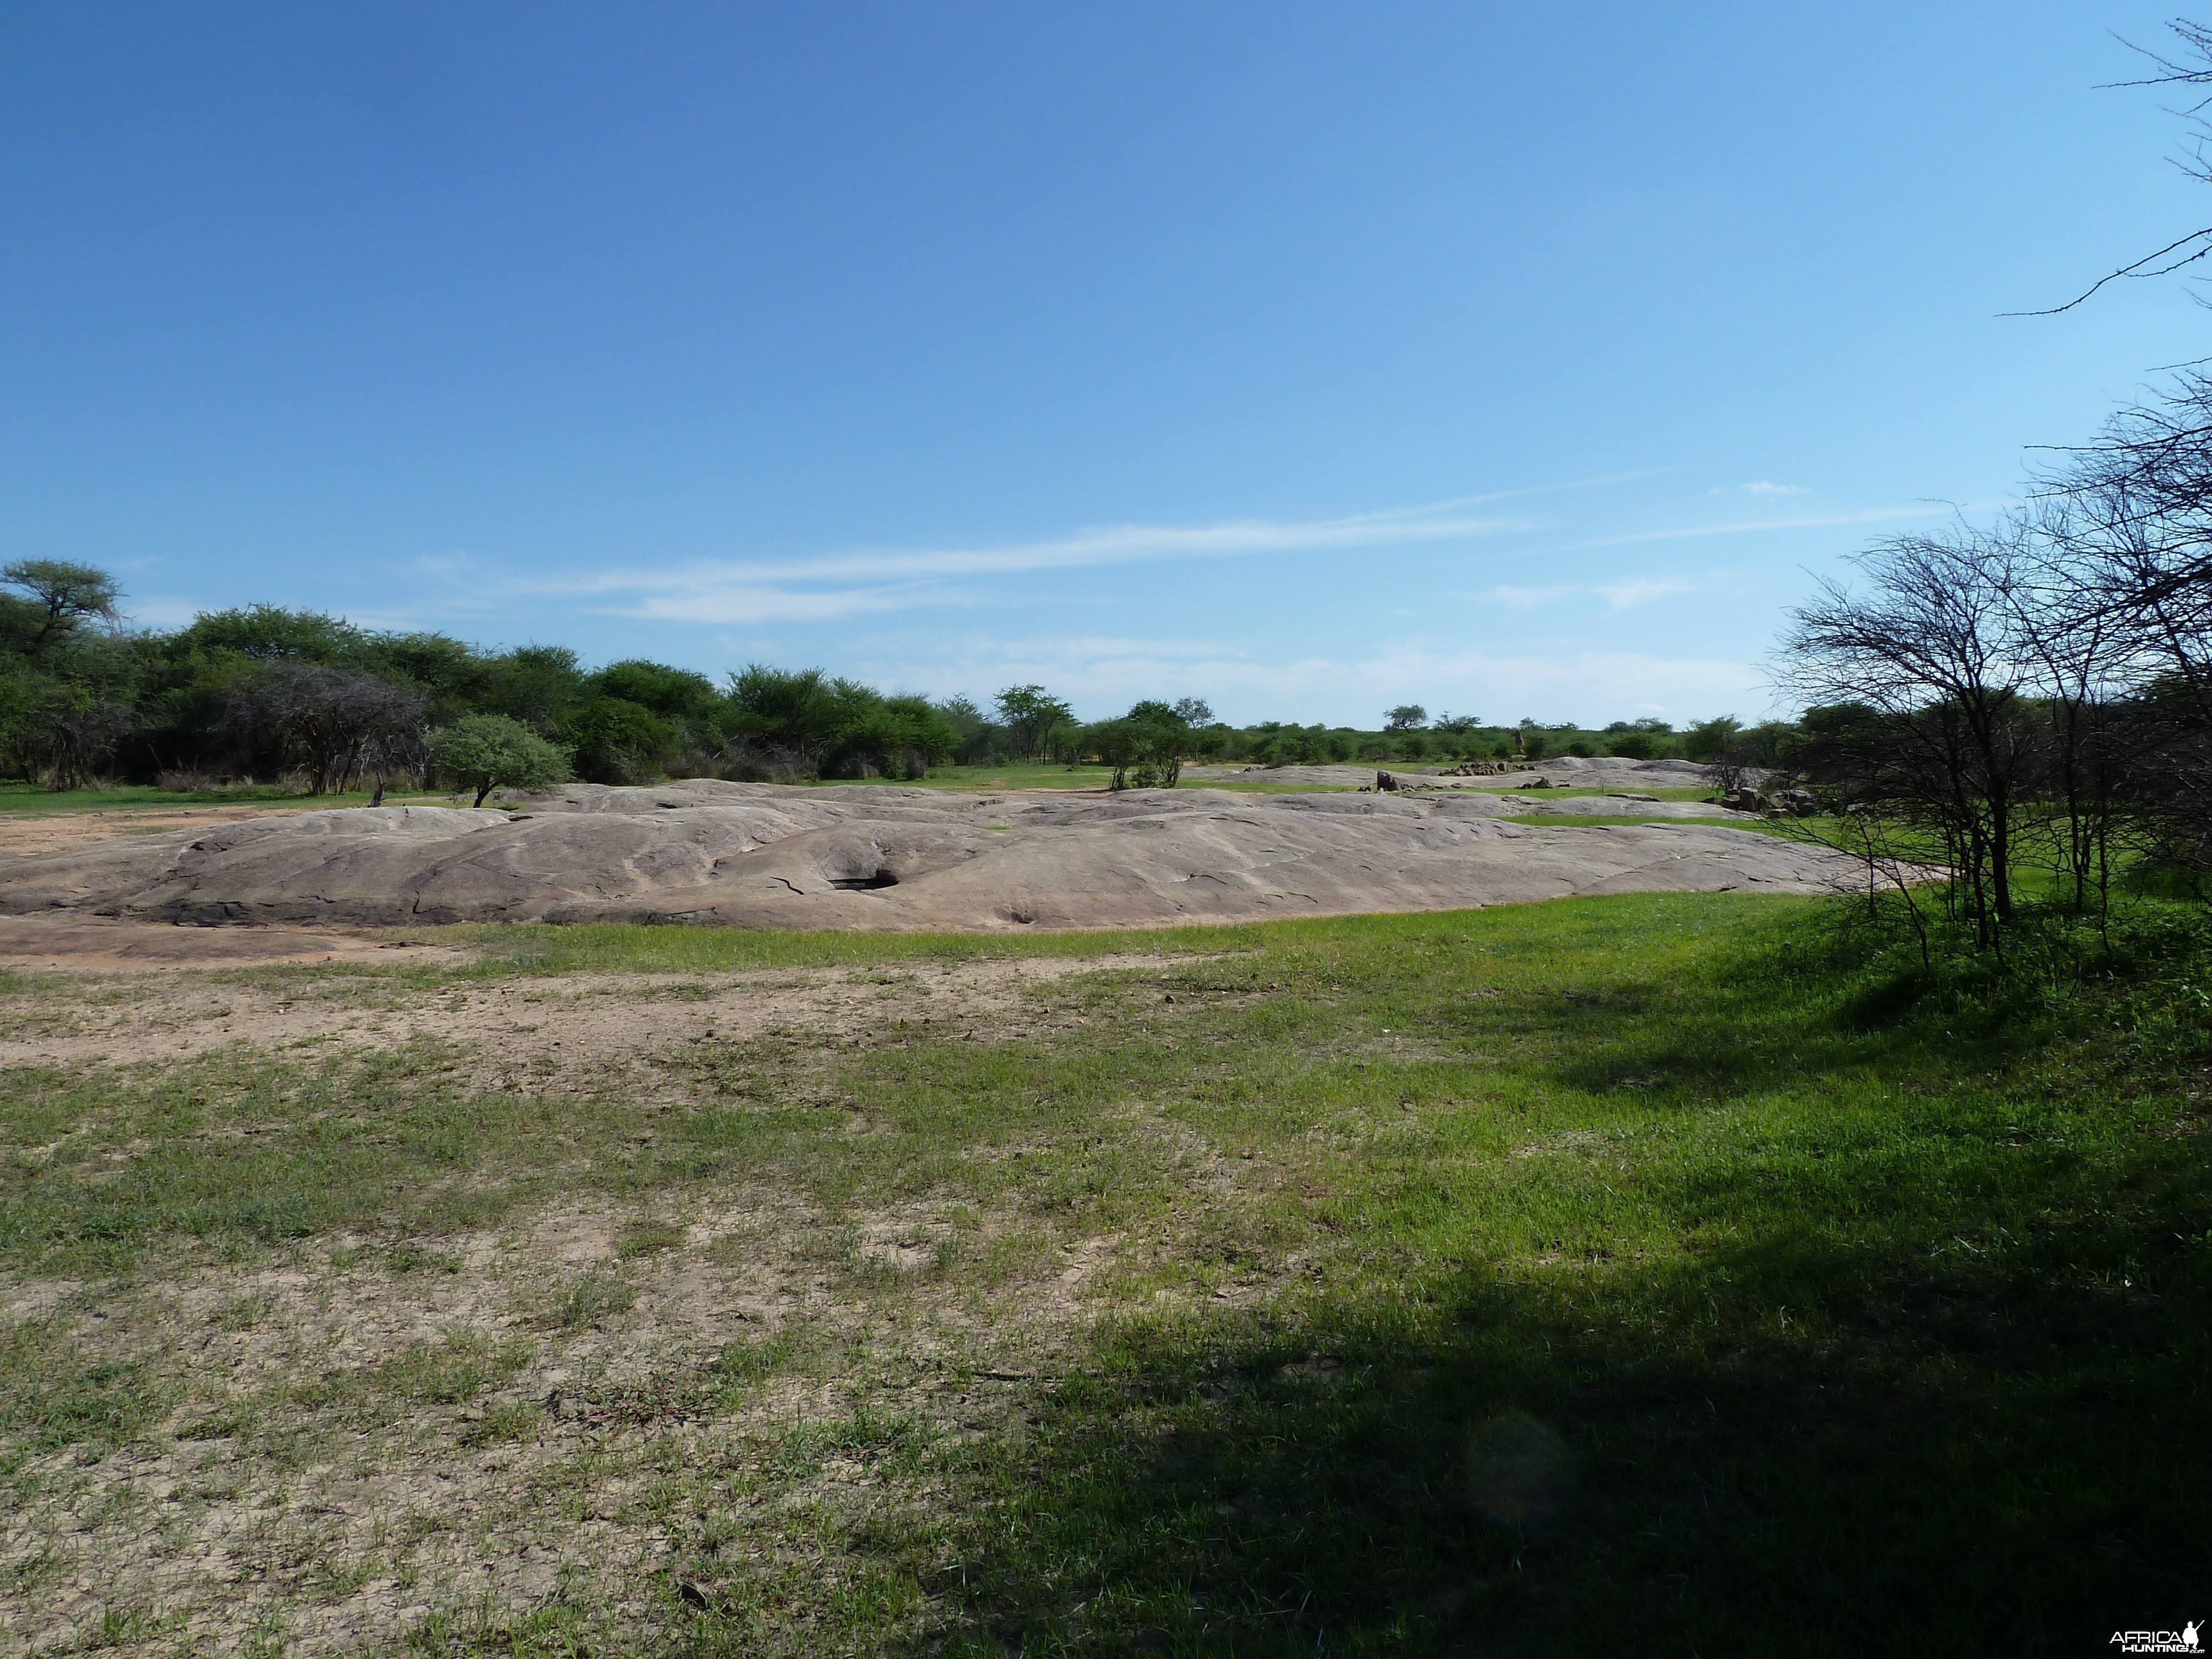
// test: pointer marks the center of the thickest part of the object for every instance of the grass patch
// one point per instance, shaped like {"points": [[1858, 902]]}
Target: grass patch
{"points": [[1504, 1281], [451, 1371], [585, 1300], [646, 1236], [51, 1395], [19, 798]]}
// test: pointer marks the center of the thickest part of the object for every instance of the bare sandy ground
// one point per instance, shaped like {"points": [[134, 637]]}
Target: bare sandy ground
{"points": [[255, 1497], [70, 940], [882, 858], [580, 1020]]}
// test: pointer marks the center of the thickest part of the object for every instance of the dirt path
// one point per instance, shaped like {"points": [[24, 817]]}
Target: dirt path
{"points": [[96, 943], [580, 1019]]}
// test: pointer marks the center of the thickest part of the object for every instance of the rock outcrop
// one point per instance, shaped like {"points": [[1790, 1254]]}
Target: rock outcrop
{"points": [[768, 855]]}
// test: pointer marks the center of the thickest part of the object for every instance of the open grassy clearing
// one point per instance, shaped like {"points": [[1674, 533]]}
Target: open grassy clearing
{"points": [[1623, 1270]]}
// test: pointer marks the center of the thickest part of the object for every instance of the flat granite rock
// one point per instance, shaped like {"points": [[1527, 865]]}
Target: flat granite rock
{"points": [[767, 855]]}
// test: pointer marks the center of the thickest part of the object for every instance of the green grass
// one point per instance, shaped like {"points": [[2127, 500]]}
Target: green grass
{"points": [[18, 798], [1508, 786], [1600, 820], [1650, 1273]]}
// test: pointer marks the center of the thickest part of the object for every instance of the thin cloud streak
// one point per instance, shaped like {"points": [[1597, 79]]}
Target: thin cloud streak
{"points": [[1878, 515], [1643, 590], [1114, 545], [732, 606], [1624, 595], [724, 591]]}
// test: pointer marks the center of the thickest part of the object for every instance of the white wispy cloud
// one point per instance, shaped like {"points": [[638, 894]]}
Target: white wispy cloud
{"points": [[1761, 488], [1748, 527], [1626, 594], [1636, 591], [159, 610], [824, 586]]}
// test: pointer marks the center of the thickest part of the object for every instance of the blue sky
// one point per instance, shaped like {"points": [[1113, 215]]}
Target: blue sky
{"points": [[1517, 361]]}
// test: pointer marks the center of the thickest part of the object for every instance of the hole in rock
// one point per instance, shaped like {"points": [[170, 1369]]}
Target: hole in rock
{"points": [[862, 883]]}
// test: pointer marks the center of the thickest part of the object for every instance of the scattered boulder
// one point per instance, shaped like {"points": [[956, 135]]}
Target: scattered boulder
{"points": [[1388, 781], [1629, 794], [1782, 803]]}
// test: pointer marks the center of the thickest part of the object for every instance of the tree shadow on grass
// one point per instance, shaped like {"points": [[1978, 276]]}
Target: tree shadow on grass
{"points": [[1946, 1454], [1930, 1375]]}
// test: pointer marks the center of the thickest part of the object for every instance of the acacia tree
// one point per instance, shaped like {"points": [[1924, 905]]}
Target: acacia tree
{"points": [[63, 597], [1031, 715], [67, 729], [1927, 651], [1117, 743], [1717, 744], [1164, 740]]}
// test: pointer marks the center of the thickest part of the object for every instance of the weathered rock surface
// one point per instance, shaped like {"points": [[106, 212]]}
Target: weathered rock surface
{"points": [[766, 855]]}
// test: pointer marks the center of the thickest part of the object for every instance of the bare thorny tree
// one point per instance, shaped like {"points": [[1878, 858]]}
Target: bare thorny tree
{"points": [[1981, 702], [2039, 690], [335, 722]]}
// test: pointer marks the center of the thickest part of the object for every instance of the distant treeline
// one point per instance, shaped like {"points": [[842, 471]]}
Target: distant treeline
{"points": [[264, 695]]}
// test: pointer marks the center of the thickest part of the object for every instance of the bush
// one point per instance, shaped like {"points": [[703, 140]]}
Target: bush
{"points": [[618, 741], [486, 752], [803, 720]]}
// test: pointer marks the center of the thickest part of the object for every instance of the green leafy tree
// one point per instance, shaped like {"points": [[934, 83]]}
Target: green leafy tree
{"points": [[67, 728], [983, 741], [1117, 743], [804, 720], [1166, 740], [61, 595], [1405, 717], [265, 632], [1710, 741], [674, 694], [617, 741], [452, 675], [485, 752], [1031, 714], [1152, 740], [533, 683]]}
